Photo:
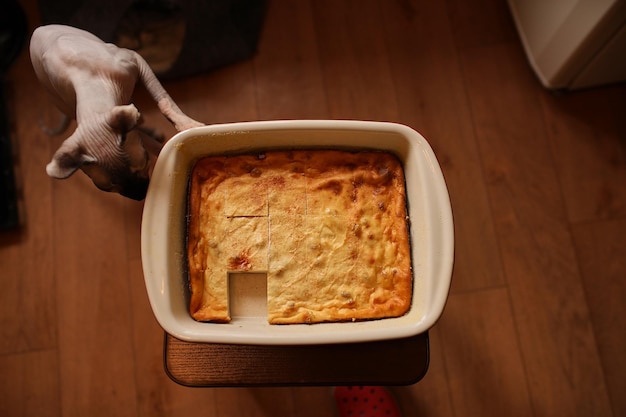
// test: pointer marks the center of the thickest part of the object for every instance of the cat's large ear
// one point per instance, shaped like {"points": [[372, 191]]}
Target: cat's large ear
{"points": [[123, 118], [67, 160]]}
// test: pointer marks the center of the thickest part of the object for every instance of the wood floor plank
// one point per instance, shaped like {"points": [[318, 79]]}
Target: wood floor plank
{"points": [[132, 212], [431, 396], [287, 71], [93, 301], [587, 137], [30, 384], [548, 301], [254, 402], [601, 249], [222, 96], [355, 65], [479, 23], [27, 302], [432, 99], [313, 401], [483, 356]]}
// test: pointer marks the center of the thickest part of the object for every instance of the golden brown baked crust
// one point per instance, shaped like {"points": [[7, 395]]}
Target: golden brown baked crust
{"points": [[329, 228]]}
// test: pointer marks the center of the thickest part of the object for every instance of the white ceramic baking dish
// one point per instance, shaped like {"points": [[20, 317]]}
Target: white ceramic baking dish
{"points": [[163, 234]]}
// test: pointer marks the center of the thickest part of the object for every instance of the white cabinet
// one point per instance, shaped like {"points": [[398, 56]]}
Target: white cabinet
{"points": [[573, 44]]}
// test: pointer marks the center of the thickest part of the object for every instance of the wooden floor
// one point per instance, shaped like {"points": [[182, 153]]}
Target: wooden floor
{"points": [[534, 324]]}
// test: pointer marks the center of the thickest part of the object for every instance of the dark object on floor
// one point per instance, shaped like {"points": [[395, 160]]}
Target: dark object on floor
{"points": [[13, 30], [177, 38]]}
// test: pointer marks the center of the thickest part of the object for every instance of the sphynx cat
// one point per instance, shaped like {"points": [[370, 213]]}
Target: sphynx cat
{"points": [[93, 82]]}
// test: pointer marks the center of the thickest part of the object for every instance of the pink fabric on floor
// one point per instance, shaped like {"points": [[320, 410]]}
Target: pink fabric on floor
{"points": [[369, 401]]}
